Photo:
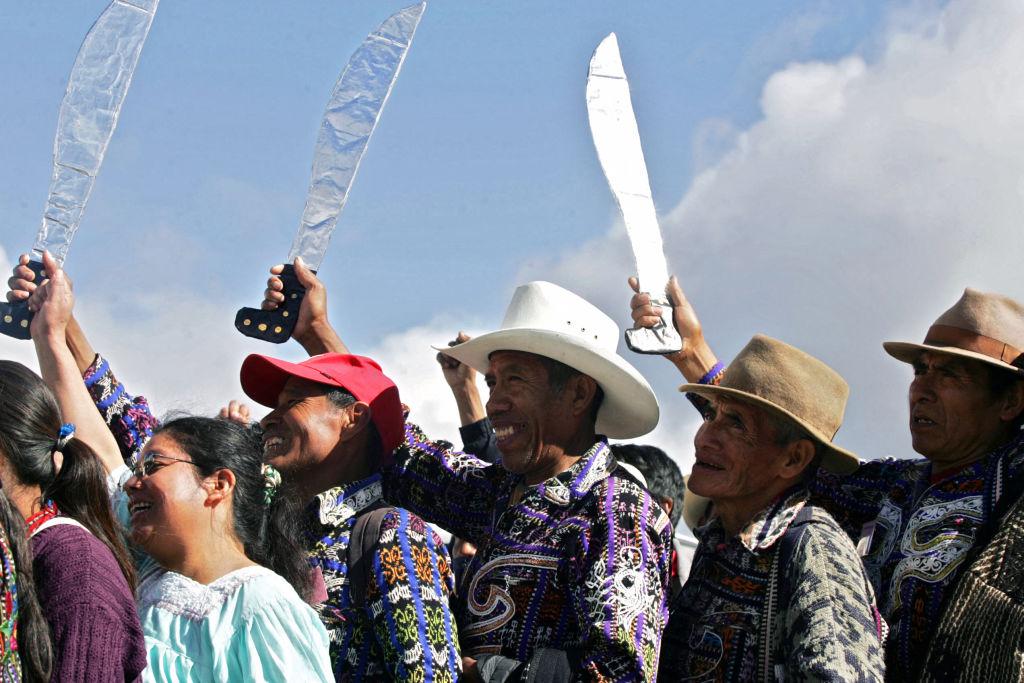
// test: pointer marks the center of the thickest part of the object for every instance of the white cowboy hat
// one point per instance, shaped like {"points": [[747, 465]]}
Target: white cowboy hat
{"points": [[549, 321]]}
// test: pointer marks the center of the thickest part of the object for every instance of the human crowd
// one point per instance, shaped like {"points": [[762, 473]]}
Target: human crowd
{"points": [[311, 545]]}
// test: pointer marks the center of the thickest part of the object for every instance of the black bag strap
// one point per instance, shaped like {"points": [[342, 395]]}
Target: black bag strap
{"points": [[361, 544]]}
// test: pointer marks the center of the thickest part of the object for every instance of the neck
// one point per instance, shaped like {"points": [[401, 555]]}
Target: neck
{"points": [[560, 458], [338, 469], [206, 560], [983, 448], [737, 513], [28, 500]]}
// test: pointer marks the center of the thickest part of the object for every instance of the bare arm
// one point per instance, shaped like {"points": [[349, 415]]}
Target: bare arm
{"points": [[52, 303], [312, 329], [462, 380], [696, 358]]}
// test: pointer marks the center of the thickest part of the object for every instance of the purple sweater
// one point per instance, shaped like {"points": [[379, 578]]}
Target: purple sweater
{"points": [[91, 611]]}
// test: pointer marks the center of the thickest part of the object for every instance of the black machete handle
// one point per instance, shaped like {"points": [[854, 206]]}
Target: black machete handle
{"points": [[15, 319], [274, 326]]}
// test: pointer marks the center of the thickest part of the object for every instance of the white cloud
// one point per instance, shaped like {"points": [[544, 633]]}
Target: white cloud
{"points": [[859, 206]]}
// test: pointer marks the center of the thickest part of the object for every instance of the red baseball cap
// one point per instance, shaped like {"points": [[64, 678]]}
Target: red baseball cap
{"points": [[264, 377]]}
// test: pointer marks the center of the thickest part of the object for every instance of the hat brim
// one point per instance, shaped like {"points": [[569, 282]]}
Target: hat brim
{"points": [[909, 351], [629, 409], [835, 459], [264, 377], [694, 506]]}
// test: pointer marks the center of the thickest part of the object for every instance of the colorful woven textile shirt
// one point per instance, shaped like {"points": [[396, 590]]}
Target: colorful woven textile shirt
{"points": [[128, 417], [10, 664], [919, 527], [820, 625], [579, 564], [406, 631]]}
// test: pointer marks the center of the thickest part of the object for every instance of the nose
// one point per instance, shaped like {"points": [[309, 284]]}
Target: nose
{"points": [[497, 402], [705, 435], [269, 420], [133, 482], [921, 388]]}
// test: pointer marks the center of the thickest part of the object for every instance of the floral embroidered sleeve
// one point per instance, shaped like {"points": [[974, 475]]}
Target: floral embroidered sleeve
{"points": [[408, 599], [829, 629], [445, 487], [127, 416]]}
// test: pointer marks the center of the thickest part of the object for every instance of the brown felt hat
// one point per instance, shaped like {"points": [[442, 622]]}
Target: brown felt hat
{"points": [[793, 384], [982, 326]]}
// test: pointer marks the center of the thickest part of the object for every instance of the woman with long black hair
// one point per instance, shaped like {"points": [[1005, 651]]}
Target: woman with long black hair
{"points": [[221, 571], [83, 573]]}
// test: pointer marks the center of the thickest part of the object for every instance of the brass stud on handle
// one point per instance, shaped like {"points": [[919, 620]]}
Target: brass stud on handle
{"points": [[247, 322], [262, 327], [277, 330]]}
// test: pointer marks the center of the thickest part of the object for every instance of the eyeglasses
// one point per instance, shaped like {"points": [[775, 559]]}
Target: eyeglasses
{"points": [[149, 465]]}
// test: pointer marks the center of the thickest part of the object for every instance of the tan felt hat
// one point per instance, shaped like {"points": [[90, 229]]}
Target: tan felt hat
{"points": [[796, 385], [982, 326]]}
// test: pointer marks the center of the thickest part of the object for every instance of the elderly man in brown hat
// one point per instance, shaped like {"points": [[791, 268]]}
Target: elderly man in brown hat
{"points": [[776, 589], [919, 521]]}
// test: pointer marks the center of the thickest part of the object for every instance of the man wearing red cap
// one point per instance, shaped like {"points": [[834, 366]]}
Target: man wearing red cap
{"points": [[335, 419]]}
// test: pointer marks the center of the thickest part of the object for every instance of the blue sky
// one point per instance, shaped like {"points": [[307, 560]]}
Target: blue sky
{"points": [[830, 173]]}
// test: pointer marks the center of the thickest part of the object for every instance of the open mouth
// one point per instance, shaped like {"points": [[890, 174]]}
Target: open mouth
{"points": [[504, 432], [138, 506], [921, 421], [704, 464], [273, 445]]}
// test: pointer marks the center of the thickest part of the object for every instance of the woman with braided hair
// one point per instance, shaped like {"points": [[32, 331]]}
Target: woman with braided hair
{"points": [[220, 572]]}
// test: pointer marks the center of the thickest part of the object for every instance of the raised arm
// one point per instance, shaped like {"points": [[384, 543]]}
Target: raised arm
{"points": [[475, 430], [312, 329], [52, 303], [696, 359]]}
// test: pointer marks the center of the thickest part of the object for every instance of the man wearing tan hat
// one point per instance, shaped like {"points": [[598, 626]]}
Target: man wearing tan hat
{"points": [[776, 590], [918, 521]]}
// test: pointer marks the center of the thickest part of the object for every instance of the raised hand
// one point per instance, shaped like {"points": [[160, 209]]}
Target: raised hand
{"points": [[22, 283], [695, 358], [312, 329], [52, 301], [236, 411], [462, 380]]}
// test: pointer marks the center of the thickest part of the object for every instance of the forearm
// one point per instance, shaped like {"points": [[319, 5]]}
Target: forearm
{"points": [[322, 338], [695, 362], [467, 399], [61, 373], [82, 351]]}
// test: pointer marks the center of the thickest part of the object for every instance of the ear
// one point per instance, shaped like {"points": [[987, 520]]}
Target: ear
{"points": [[219, 487], [582, 390], [1013, 402], [795, 459], [360, 418], [667, 504]]}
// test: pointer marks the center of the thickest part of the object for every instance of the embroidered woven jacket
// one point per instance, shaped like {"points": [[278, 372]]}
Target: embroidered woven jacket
{"points": [[579, 564], [819, 624], [406, 631], [922, 531]]}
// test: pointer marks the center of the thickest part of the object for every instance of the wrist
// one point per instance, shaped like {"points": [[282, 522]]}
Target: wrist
{"points": [[696, 360]]}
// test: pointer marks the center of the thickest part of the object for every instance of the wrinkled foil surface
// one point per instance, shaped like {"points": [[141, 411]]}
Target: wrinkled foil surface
{"points": [[617, 139], [352, 114], [88, 115]]}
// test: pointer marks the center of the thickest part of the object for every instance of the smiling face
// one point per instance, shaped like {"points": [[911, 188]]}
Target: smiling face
{"points": [[954, 416], [737, 456], [167, 504], [303, 432], [534, 424]]}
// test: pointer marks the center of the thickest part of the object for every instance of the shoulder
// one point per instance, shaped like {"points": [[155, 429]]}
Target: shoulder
{"points": [[400, 524], [819, 548], [69, 556], [618, 501]]}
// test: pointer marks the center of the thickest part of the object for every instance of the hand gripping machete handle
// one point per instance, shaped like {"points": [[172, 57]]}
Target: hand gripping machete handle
{"points": [[15, 319], [274, 326], [660, 339]]}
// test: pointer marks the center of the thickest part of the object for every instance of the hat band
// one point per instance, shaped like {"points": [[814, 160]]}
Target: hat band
{"points": [[946, 335]]}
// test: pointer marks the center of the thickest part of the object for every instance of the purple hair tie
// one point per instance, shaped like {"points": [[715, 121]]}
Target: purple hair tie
{"points": [[713, 374]]}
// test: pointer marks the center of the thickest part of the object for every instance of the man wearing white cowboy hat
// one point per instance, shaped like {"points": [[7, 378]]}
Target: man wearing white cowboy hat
{"points": [[918, 520], [573, 555], [776, 590]]}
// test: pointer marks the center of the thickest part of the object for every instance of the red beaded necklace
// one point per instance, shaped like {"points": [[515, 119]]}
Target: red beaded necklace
{"points": [[40, 518]]}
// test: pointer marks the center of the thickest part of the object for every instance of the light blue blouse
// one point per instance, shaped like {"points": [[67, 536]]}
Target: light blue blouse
{"points": [[248, 625]]}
